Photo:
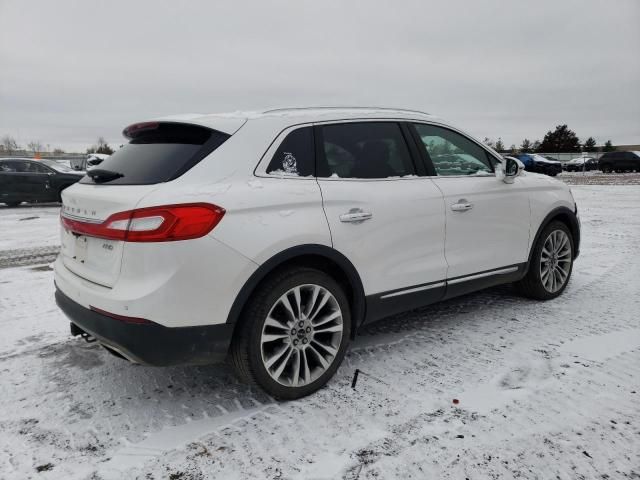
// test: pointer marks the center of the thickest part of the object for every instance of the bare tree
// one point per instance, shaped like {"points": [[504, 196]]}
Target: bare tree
{"points": [[101, 147], [35, 146], [9, 143], [488, 142]]}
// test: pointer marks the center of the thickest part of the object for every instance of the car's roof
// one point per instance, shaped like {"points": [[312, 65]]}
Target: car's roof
{"points": [[18, 158], [230, 122]]}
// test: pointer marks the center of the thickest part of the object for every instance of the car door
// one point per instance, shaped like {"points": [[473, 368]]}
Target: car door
{"points": [[628, 162], [7, 183], [34, 178], [383, 216], [15, 183], [40, 182], [487, 220]]}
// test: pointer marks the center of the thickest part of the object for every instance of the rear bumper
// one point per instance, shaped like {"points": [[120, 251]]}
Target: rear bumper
{"points": [[151, 344]]}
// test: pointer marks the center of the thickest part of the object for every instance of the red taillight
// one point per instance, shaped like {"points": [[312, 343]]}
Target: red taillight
{"points": [[154, 224]]}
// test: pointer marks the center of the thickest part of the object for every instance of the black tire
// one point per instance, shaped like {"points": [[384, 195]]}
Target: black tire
{"points": [[606, 168], [531, 285], [12, 204], [246, 354]]}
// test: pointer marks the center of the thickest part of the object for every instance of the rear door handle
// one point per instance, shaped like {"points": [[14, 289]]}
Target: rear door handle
{"points": [[462, 206], [355, 215]]}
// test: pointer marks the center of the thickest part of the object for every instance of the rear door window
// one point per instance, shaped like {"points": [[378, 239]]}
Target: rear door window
{"points": [[364, 150], [159, 152]]}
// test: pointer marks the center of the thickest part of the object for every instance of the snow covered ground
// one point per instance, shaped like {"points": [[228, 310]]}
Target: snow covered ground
{"points": [[596, 177], [543, 390], [29, 226]]}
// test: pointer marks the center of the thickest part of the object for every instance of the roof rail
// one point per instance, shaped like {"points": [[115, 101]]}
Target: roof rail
{"points": [[327, 107]]}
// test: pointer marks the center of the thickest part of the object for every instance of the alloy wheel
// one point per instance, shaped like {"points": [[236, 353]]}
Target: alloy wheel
{"points": [[301, 335], [555, 261]]}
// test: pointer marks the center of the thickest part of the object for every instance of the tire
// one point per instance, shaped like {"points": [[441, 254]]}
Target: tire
{"points": [[536, 284], [270, 346], [12, 204], [606, 168]]}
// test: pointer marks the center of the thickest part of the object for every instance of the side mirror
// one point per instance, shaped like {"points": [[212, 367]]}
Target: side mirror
{"points": [[512, 168]]}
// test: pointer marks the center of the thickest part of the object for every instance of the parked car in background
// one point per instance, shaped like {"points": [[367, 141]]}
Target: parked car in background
{"points": [[539, 164], [90, 161], [28, 180], [581, 164], [241, 236], [619, 162], [95, 159]]}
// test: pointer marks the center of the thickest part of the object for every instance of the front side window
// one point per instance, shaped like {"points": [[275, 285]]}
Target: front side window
{"points": [[364, 150], [294, 157], [452, 153]]}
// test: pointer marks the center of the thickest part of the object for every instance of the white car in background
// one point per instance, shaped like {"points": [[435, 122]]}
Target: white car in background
{"points": [[272, 237], [88, 162]]}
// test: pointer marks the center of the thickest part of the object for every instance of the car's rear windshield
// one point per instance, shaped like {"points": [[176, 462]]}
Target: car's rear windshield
{"points": [[157, 152]]}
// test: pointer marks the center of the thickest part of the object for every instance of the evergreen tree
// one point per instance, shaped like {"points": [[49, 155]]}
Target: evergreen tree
{"points": [[526, 146], [562, 139], [590, 145], [608, 147]]}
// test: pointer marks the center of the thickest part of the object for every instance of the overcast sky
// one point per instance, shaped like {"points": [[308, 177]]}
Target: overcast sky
{"points": [[71, 70]]}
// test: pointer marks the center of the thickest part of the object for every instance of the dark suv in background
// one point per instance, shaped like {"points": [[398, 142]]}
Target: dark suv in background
{"points": [[619, 162]]}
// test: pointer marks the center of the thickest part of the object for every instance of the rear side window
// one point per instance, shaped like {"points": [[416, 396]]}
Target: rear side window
{"points": [[364, 150], [159, 152], [295, 155]]}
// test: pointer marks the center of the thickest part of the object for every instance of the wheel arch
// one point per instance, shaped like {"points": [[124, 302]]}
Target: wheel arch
{"points": [[321, 257], [566, 216]]}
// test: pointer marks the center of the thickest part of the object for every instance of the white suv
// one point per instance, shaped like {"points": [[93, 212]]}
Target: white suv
{"points": [[271, 237]]}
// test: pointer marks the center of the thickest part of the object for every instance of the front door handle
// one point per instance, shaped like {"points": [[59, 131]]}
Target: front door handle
{"points": [[355, 215], [462, 206]]}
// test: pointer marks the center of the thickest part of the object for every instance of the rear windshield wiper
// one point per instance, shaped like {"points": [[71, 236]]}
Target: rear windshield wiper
{"points": [[100, 175]]}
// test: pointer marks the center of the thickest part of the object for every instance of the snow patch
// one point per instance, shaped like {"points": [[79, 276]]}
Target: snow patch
{"points": [[598, 348], [169, 439]]}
